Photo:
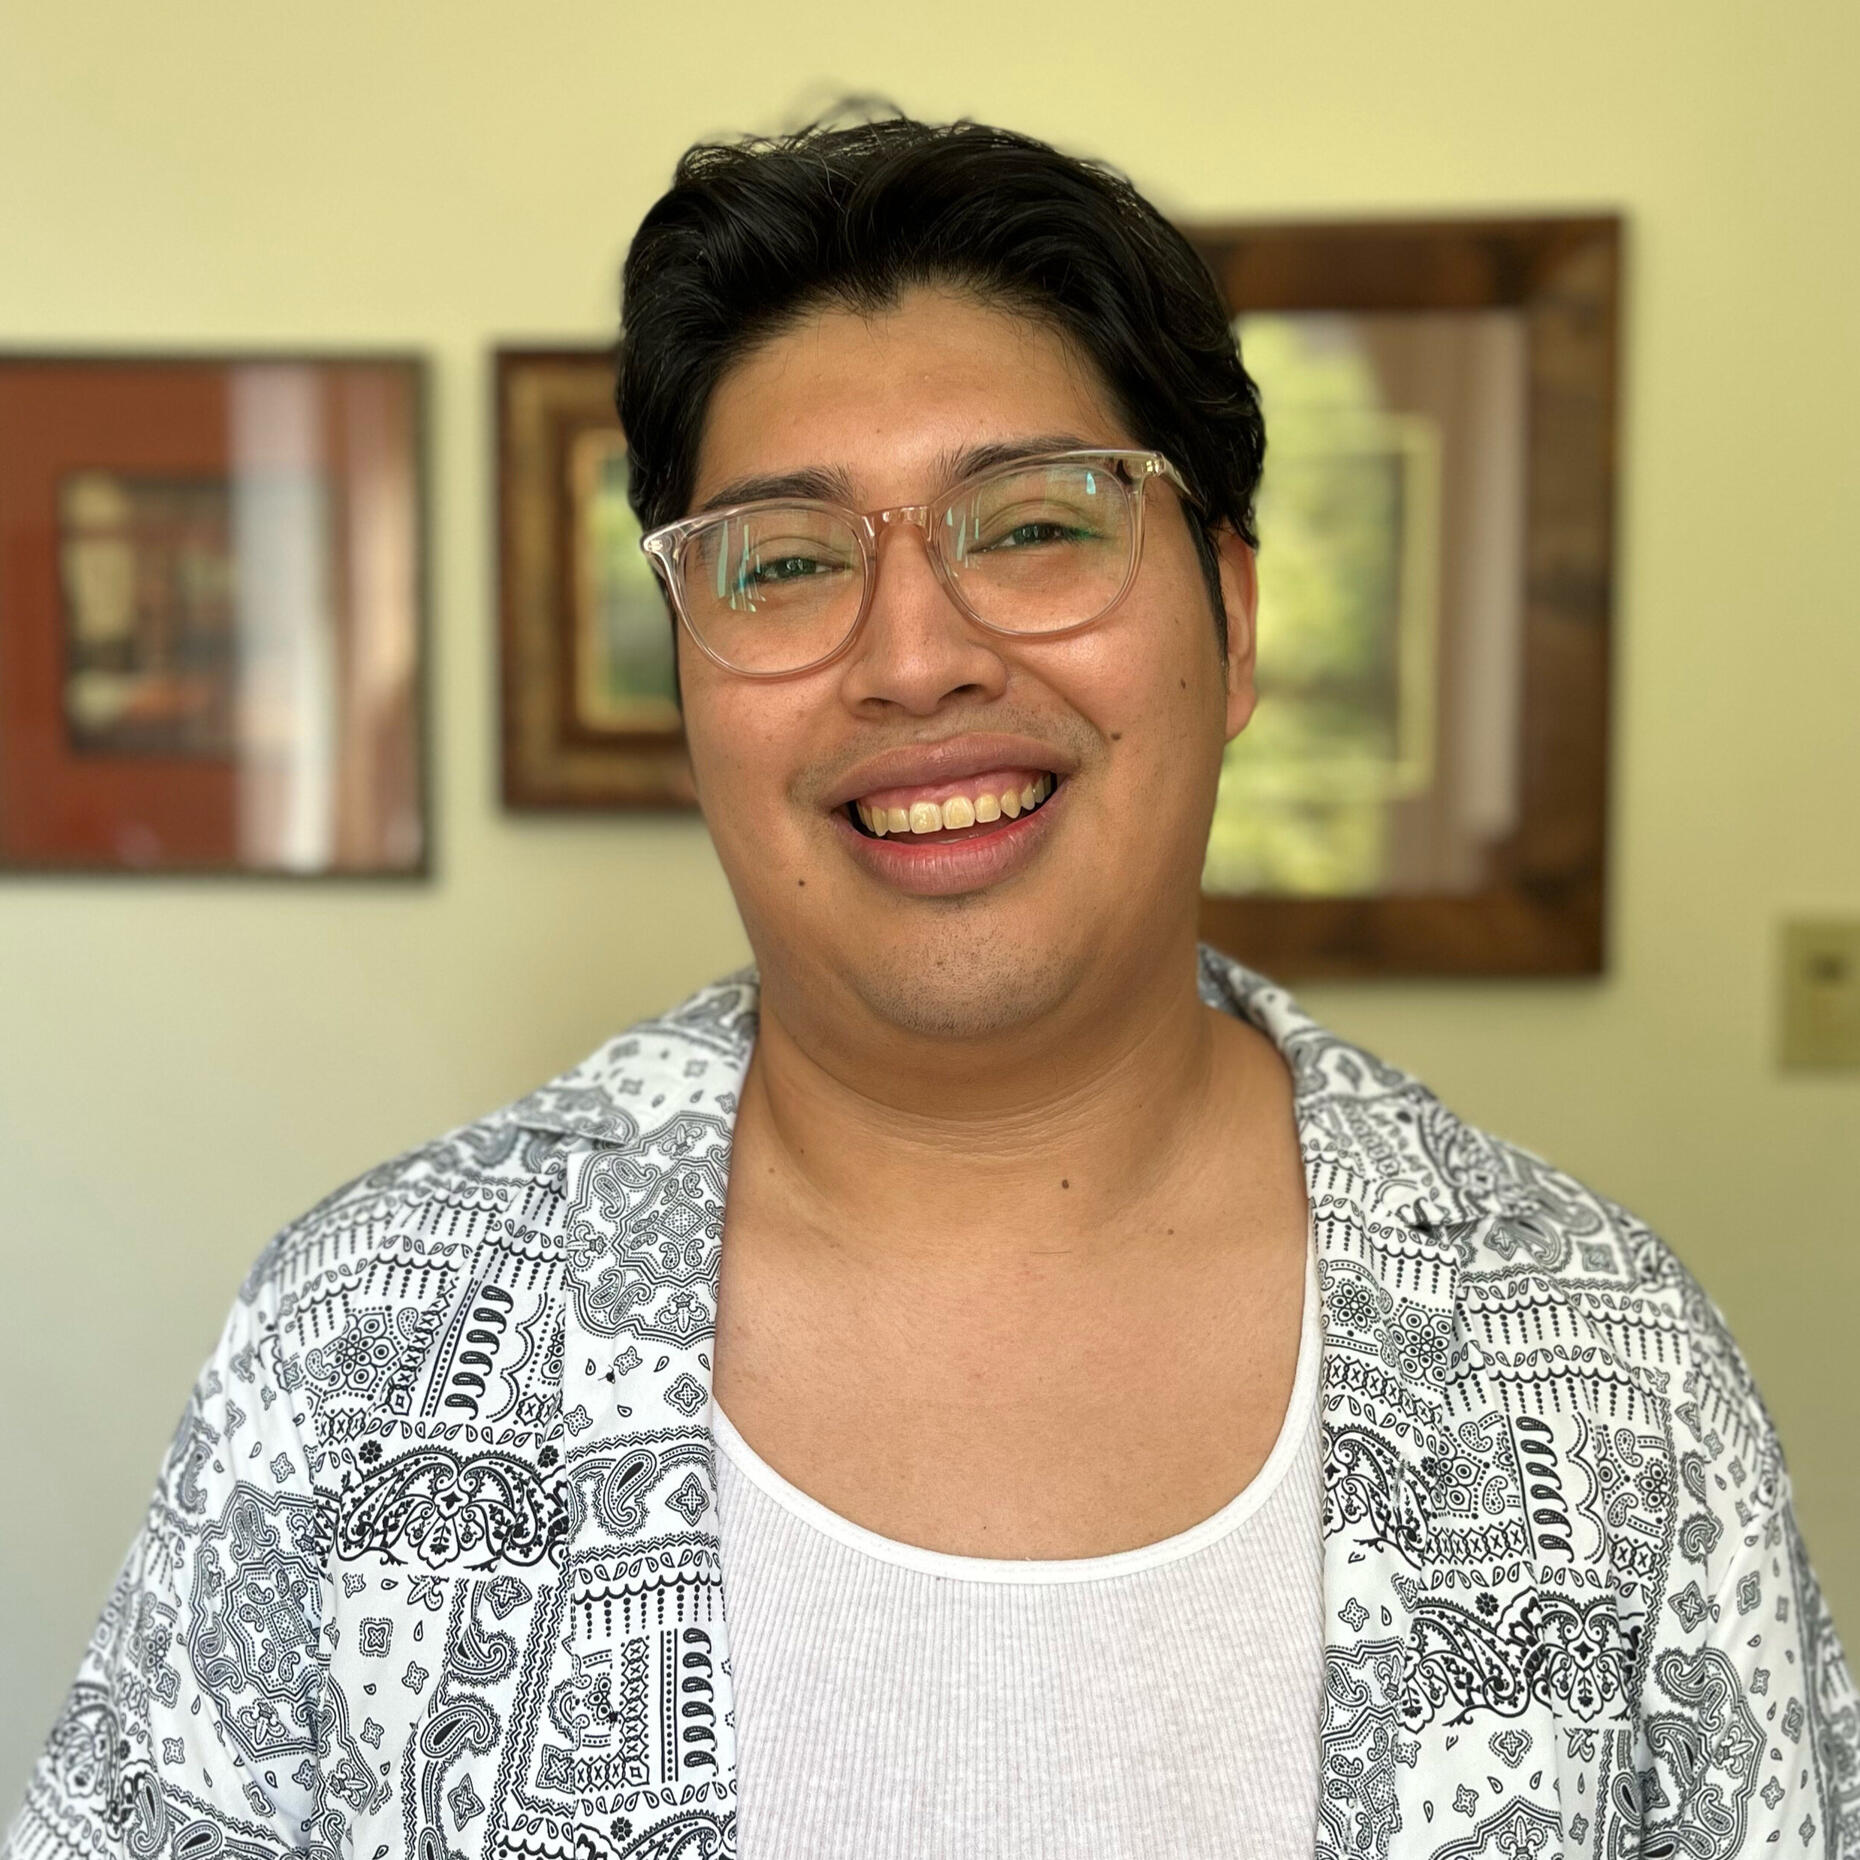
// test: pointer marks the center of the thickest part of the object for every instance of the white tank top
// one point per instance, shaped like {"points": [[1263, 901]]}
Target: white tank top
{"points": [[895, 1701]]}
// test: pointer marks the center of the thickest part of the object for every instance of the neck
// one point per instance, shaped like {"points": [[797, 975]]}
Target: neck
{"points": [[1072, 1135]]}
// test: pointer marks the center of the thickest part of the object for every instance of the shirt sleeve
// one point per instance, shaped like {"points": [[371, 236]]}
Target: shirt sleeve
{"points": [[1752, 1722], [194, 1719], [1808, 1710]]}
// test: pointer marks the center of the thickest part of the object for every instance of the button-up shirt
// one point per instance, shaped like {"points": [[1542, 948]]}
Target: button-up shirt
{"points": [[432, 1567]]}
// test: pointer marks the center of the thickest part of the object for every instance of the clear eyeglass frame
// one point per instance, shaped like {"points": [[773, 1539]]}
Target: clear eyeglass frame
{"points": [[665, 546]]}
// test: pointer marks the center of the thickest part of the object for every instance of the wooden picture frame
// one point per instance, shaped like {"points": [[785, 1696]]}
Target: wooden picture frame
{"points": [[1539, 906], [588, 712], [213, 614]]}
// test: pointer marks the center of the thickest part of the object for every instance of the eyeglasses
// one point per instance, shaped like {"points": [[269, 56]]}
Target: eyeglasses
{"points": [[1039, 547]]}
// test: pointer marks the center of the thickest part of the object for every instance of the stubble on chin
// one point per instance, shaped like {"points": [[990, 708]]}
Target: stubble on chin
{"points": [[962, 982]]}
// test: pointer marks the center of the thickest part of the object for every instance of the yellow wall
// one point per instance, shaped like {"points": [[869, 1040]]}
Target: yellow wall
{"points": [[184, 1066]]}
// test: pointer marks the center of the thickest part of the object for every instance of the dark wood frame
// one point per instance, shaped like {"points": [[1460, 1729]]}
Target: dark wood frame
{"points": [[13, 866], [546, 397], [1543, 913]]}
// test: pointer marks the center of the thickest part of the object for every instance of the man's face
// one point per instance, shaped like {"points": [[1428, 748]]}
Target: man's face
{"points": [[978, 930]]}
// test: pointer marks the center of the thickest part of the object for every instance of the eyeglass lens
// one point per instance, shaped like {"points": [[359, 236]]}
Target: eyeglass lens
{"points": [[780, 586]]}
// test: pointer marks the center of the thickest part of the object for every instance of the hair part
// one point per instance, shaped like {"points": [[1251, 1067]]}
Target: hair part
{"points": [[756, 234]]}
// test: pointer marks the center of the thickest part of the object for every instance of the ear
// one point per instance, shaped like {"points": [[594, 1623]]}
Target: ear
{"points": [[1240, 599]]}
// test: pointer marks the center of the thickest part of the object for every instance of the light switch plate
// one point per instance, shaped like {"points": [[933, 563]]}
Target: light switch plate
{"points": [[1821, 994]]}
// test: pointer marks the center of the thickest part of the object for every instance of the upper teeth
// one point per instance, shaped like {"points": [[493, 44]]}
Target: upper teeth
{"points": [[960, 810]]}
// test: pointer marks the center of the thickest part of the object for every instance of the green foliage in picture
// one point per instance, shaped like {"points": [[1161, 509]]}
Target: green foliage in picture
{"points": [[1348, 546], [627, 678]]}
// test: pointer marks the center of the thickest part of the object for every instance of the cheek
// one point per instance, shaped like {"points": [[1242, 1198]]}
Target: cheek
{"points": [[721, 756], [742, 753], [1153, 685]]}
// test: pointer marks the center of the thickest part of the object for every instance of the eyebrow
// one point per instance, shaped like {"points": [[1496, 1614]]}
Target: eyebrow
{"points": [[833, 484]]}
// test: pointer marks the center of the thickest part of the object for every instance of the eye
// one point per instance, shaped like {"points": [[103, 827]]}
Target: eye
{"points": [[765, 572], [785, 568], [1055, 511], [1003, 532], [1033, 531]]}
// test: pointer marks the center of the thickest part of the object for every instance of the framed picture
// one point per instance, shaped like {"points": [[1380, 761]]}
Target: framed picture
{"points": [[1423, 787], [211, 615], [590, 709]]}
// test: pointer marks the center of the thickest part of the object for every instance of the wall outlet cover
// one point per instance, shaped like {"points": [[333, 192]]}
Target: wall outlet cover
{"points": [[1821, 994]]}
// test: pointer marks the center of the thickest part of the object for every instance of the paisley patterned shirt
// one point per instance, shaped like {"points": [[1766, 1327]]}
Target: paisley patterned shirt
{"points": [[432, 1571]]}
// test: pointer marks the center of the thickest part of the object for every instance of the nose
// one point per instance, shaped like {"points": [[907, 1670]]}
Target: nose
{"points": [[917, 649]]}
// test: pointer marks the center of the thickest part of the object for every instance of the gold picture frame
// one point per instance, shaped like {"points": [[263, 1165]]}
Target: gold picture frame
{"points": [[589, 695]]}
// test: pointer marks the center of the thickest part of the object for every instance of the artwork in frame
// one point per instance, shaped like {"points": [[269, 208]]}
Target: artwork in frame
{"points": [[1422, 790], [211, 615], [590, 712]]}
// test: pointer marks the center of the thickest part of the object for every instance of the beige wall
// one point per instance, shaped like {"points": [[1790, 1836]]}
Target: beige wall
{"points": [[184, 1066]]}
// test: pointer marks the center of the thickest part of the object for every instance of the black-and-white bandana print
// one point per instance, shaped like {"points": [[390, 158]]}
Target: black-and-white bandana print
{"points": [[432, 1570]]}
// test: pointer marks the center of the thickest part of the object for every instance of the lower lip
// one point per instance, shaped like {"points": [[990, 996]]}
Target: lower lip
{"points": [[948, 868]]}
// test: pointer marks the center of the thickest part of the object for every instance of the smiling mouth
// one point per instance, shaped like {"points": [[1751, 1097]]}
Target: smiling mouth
{"points": [[963, 815]]}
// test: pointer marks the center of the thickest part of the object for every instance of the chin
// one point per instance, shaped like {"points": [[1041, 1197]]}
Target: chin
{"points": [[961, 985]]}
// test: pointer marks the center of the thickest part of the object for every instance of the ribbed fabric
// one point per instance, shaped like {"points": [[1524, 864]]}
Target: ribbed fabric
{"points": [[894, 1702]]}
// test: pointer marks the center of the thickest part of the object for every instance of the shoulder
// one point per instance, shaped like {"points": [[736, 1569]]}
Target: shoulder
{"points": [[1564, 1283], [1560, 1293], [1580, 1322], [443, 1194], [436, 1199], [366, 1290], [361, 1294], [1561, 1282]]}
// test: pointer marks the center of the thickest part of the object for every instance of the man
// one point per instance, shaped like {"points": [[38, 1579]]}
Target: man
{"points": [[992, 1381]]}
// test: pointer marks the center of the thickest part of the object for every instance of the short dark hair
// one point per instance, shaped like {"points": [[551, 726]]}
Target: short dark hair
{"points": [[754, 234]]}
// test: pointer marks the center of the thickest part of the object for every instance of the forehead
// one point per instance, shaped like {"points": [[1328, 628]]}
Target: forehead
{"points": [[886, 400]]}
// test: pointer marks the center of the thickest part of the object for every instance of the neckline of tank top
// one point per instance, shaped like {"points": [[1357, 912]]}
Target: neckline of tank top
{"points": [[1300, 1413]]}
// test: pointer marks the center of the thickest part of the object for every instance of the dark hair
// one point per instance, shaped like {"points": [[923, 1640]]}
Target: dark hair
{"points": [[754, 234]]}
